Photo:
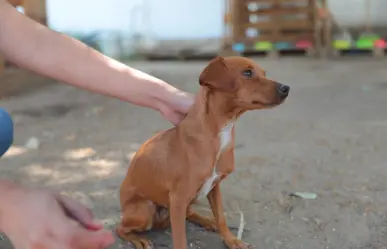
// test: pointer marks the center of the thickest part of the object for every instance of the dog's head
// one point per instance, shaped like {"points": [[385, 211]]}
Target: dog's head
{"points": [[244, 81]]}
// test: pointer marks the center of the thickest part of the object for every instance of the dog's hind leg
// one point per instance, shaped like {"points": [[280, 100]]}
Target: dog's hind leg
{"points": [[137, 216], [161, 219], [137, 241]]}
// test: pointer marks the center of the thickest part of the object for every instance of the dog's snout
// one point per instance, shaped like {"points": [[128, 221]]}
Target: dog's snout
{"points": [[283, 89]]}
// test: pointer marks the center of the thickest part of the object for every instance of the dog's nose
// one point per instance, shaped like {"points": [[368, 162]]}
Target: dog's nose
{"points": [[283, 89]]}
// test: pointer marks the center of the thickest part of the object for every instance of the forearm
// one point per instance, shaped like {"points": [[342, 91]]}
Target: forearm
{"points": [[65, 59], [6, 190]]}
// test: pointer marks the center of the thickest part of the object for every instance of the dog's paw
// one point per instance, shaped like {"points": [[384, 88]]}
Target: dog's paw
{"points": [[235, 243], [210, 225]]}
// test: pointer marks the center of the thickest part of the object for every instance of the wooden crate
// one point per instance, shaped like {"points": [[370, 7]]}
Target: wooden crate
{"points": [[36, 10], [278, 19], [271, 20]]}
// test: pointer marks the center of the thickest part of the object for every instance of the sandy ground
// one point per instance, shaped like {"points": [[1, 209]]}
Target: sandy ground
{"points": [[329, 138]]}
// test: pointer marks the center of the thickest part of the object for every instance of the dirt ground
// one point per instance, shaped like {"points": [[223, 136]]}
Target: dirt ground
{"points": [[329, 138]]}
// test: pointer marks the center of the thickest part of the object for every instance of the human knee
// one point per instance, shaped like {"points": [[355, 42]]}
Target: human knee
{"points": [[6, 131]]}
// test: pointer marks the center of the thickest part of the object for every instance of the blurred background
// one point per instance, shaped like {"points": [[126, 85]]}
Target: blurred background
{"points": [[122, 29], [310, 173]]}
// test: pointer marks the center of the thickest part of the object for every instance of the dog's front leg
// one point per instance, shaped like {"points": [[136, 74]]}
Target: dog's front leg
{"points": [[178, 208], [225, 164], [215, 199]]}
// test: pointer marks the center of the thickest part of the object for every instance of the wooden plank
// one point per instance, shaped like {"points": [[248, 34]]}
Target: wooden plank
{"points": [[375, 52], [282, 25], [284, 38], [327, 29], [276, 19], [282, 11], [280, 37], [308, 52], [236, 14], [273, 1], [317, 25]]}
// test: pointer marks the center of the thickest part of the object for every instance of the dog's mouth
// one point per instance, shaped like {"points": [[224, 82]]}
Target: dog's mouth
{"points": [[278, 100], [268, 105], [255, 102]]}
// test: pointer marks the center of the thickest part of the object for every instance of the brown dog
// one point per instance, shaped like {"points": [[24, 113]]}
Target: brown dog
{"points": [[176, 167]]}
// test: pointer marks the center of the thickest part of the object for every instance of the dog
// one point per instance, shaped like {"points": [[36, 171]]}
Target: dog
{"points": [[178, 166]]}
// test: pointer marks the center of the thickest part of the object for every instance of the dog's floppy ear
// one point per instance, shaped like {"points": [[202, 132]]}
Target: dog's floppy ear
{"points": [[217, 76]]}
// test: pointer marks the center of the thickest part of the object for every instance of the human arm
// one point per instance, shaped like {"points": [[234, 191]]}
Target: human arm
{"points": [[39, 49]]}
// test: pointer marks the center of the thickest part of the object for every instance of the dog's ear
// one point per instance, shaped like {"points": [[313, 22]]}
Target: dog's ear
{"points": [[217, 76]]}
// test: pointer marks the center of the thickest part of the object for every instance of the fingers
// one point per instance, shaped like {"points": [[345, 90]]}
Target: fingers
{"points": [[175, 118], [47, 243], [78, 212], [181, 101], [79, 237], [84, 239], [186, 102]]}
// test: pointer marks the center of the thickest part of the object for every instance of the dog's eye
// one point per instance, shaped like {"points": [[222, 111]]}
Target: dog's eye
{"points": [[248, 73]]}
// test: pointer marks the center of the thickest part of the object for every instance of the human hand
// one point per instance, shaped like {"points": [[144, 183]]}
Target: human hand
{"points": [[39, 219], [176, 107]]}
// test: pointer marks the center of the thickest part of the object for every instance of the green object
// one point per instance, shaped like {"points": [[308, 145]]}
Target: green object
{"points": [[364, 44], [341, 44], [263, 46], [370, 36], [366, 40], [342, 40]]}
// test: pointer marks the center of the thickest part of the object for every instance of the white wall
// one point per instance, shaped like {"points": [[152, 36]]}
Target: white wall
{"points": [[177, 19], [168, 19]]}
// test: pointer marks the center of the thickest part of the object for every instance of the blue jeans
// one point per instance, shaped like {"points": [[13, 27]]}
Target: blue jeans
{"points": [[6, 131]]}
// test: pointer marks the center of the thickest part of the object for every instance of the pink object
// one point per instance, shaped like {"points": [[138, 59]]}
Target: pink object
{"points": [[380, 43], [304, 44]]}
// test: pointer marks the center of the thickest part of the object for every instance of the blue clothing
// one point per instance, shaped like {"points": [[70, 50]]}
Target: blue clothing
{"points": [[6, 131]]}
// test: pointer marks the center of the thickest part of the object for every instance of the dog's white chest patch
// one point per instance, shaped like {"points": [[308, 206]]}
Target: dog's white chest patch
{"points": [[225, 137]]}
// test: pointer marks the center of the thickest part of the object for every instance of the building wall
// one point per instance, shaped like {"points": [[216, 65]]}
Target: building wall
{"points": [[178, 19]]}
